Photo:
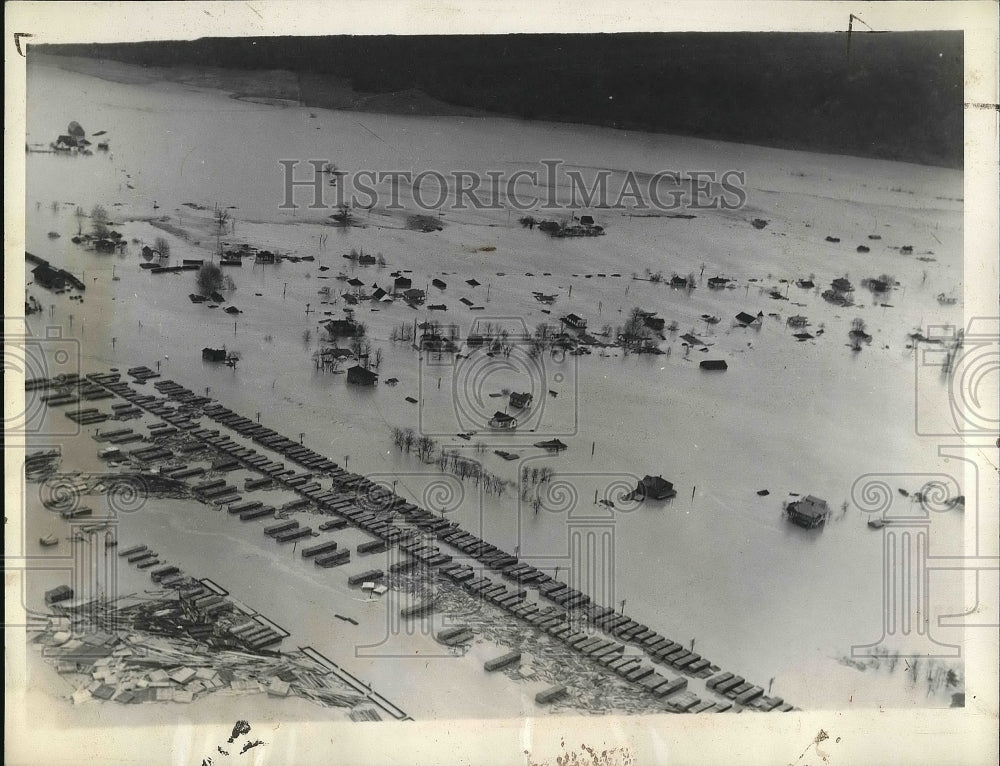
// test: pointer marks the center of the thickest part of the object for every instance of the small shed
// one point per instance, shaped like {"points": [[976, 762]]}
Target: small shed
{"points": [[714, 364], [654, 323], [553, 445], [340, 328], [213, 354], [359, 376]]}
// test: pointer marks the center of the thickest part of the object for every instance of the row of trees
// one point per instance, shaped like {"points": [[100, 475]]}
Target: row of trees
{"points": [[427, 450]]}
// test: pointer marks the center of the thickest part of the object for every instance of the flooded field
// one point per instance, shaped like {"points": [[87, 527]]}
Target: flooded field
{"points": [[718, 566]]}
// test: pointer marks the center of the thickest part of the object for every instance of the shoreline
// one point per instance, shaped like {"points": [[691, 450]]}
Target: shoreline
{"points": [[339, 96]]}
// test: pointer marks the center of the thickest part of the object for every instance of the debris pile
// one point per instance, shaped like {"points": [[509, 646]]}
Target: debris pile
{"points": [[156, 651]]}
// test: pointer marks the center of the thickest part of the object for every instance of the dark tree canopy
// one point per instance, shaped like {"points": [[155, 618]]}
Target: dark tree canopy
{"points": [[894, 96]]}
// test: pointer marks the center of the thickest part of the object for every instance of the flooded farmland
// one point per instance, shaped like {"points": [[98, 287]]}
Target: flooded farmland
{"points": [[802, 408]]}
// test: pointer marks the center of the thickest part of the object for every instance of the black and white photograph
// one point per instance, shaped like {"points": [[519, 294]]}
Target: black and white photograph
{"points": [[482, 370]]}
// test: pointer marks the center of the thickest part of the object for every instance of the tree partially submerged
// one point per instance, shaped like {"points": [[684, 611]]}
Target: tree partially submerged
{"points": [[209, 278]]}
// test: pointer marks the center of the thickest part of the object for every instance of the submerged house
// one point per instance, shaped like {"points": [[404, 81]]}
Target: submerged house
{"points": [[359, 376], [809, 512], [413, 296], [503, 421], [105, 245], [717, 283], [213, 354], [48, 277], [655, 488], [574, 321], [340, 328], [401, 284], [520, 401], [714, 364], [747, 320], [552, 445], [654, 323]]}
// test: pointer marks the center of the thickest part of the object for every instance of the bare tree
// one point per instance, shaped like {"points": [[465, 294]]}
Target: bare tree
{"points": [[221, 217], [162, 246], [99, 221], [425, 448]]}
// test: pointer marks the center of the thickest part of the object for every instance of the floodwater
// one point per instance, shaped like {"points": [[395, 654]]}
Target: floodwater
{"points": [[718, 564]]}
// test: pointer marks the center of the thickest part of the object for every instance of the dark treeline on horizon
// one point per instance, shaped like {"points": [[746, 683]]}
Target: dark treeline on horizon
{"points": [[896, 96]]}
